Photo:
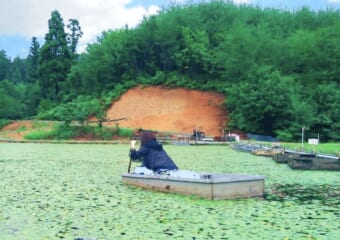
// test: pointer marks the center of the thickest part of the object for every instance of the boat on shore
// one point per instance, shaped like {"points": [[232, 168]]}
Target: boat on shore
{"points": [[212, 186]]}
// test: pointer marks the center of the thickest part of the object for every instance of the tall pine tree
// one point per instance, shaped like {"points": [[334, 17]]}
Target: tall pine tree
{"points": [[5, 64], [33, 58], [55, 59], [74, 35]]}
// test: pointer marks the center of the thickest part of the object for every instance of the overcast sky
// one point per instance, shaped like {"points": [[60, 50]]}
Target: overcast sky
{"points": [[20, 20]]}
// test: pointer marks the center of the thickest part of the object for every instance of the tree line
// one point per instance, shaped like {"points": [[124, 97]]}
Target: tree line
{"points": [[278, 69]]}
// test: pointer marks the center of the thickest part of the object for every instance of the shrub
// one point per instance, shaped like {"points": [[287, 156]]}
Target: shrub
{"points": [[40, 135], [22, 128], [39, 124], [64, 132], [104, 133], [4, 122], [125, 132]]}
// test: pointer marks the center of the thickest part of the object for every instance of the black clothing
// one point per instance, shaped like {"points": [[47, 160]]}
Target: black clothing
{"points": [[153, 157]]}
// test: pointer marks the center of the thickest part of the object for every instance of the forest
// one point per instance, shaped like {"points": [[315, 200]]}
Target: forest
{"points": [[279, 69]]}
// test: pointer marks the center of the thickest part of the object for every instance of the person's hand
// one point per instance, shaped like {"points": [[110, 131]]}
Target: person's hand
{"points": [[133, 144]]}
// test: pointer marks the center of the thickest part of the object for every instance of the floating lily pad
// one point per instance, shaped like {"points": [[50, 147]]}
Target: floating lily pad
{"points": [[58, 191]]}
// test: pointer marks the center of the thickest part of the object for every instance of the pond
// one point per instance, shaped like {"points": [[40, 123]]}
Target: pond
{"points": [[66, 191]]}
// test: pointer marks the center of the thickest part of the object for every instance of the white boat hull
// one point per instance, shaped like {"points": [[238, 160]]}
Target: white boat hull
{"points": [[218, 186]]}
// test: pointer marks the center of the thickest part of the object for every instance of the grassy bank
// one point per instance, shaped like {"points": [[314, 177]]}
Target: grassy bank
{"points": [[64, 132], [330, 148]]}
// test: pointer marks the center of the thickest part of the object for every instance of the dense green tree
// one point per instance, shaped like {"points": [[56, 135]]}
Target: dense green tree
{"points": [[31, 99], [328, 54], [194, 56], [235, 55], [5, 64], [219, 45], [11, 100], [215, 45], [105, 64], [146, 47], [33, 61], [326, 100], [7, 105], [264, 104], [74, 35], [80, 109], [54, 59], [18, 71]]}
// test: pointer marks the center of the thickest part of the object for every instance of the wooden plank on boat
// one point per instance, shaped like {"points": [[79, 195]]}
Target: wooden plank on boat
{"points": [[217, 186]]}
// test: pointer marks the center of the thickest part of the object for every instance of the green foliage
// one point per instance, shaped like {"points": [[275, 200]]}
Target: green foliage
{"points": [[80, 109], [44, 106], [66, 132], [4, 122], [215, 45], [63, 132], [110, 95], [11, 100], [39, 135], [31, 99], [74, 35], [125, 132], [103, 133], [18, 71], [22, 128], [194, 56], [5, 64], [41, 124], [236, 53], [323, 148], [54, 60], [88, 180], [33, 61], [59, 132], [284, 135], [326, 100], [264, 103]]}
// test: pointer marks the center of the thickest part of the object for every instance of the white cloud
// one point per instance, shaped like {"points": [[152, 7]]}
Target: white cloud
{"points": [[334, 1], [29, 18]]}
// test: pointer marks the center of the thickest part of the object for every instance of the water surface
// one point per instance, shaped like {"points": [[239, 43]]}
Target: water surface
{"points": [[65, 191]]}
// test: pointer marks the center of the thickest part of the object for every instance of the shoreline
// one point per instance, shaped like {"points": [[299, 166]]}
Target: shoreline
{"points": [[66, 141]]}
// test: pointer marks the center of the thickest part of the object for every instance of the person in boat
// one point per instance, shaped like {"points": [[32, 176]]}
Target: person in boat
{"points": [[152, 154]]}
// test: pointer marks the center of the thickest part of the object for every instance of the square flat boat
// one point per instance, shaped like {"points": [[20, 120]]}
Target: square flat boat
{"points": [[213, 186]]}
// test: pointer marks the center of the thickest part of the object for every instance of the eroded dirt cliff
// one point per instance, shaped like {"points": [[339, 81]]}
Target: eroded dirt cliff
{"points": [[170, 109]]}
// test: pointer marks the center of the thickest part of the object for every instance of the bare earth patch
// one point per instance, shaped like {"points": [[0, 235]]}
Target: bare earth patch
{"points": [[170, 109], [17, 125], [18, 129], [176, 110]]}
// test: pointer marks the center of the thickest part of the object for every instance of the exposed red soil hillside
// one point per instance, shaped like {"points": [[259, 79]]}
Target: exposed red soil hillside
{"points": [[18, 129], [170, 109], [16, 125]]}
